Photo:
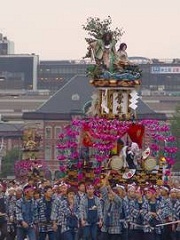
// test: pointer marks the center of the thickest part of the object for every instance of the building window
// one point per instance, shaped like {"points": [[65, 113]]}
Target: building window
{"points": [[48, 152], [57, 132], [56, 153], [48, 132]]}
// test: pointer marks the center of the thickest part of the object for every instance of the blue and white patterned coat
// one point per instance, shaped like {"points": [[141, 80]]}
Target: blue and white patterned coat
{"points": [[66, 212], [136, 217], [26, 210], [45, 225], [125, 214], [56, 210], [84, 209], [161, 212], [113, 213], [11, 206], [176, 213]]}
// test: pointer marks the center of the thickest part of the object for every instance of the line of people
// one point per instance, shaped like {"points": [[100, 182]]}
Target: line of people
{"points": [[88, 212]]}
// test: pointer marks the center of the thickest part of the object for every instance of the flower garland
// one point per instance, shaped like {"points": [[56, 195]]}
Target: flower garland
{"points": [[101, 134], [23, 167]]}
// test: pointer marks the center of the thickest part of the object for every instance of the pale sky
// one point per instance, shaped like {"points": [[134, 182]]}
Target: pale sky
{"points": [[53, 30]]}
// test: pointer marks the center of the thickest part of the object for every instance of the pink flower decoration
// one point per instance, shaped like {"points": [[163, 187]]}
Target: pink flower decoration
{"points": [[62, 157], [73, 145], [97, 170], [62, 146], [97, 181], [62, 168], [105, 132], [99, 158], [170, 139], [170, 160], [80, 176], [154, 147], [74, 155], [79, 165], [167, 172]]}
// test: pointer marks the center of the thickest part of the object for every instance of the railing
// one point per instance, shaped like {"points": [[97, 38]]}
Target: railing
{"points": [[136, 59], [175, 174]]}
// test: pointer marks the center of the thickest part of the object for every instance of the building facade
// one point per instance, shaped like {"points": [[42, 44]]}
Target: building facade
{"points": [[52, 75], [159, 77], [18, 72], [24, 72], [6, 46]]}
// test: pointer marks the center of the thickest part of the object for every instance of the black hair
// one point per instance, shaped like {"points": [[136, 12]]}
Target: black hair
{"points": [[80, 183], [37, 191], [27, 187], [122, 45], [104, 37], [71, 190], [120, 141], [46, 188]]}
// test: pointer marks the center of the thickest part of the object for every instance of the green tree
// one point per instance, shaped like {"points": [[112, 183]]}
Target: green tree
{"points": [[96, 28], [7, 165], [175, 128]]}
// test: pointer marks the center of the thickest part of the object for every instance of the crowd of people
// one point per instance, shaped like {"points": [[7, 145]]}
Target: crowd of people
{"points": [[59, 211]]}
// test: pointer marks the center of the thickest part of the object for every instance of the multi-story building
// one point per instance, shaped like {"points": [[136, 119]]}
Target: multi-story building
{"points": [[52, 75], [18, 72], [6, 46], [160, 77], [25, 72]]}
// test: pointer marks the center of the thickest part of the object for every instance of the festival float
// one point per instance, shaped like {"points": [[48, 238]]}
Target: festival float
{"points": [[30, 165], [110, 138]]}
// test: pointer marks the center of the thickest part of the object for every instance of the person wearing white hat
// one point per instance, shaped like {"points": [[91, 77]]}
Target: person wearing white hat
{"points": [[44, 215], [136, 217], [153, 213], [124, 215], [70, 213], [56, 215], [11, 204], [175, 210], [131, 191], [26, 214], [165, 191], [91, 216], [176, 216], [63, 187], [112, 227]]}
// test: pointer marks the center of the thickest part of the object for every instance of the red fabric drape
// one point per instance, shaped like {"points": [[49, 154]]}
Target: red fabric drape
{"points": [[136, 133]]}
